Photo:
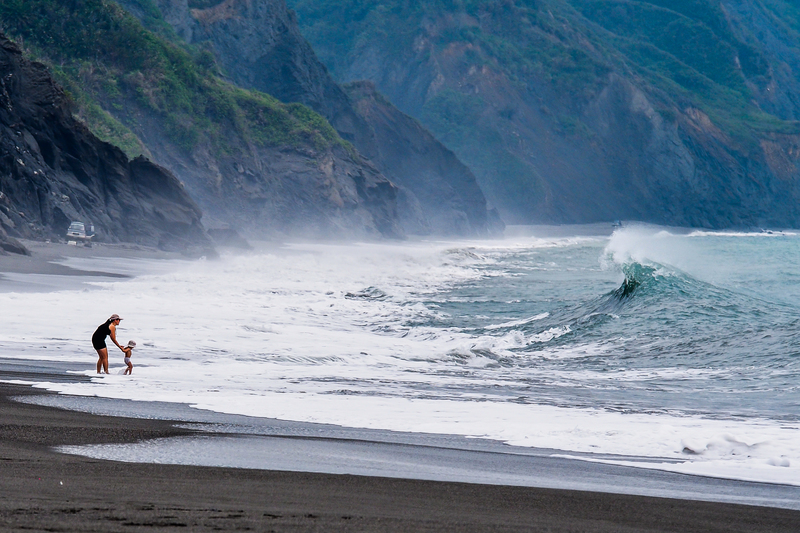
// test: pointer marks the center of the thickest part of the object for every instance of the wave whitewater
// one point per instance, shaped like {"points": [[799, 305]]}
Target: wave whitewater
{"points": [[643, 344]]}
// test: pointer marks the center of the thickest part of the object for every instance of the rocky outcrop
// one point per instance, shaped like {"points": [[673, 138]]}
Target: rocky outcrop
{"points": [[10, 245], [259, 45], [276, 192], [253, 164], [54, 171]]}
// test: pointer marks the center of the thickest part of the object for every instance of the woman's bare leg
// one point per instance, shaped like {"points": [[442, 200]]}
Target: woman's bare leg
{"points": [[102, 362]]}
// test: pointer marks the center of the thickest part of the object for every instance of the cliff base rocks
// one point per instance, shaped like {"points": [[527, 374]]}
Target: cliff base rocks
{"points": [[54, 171]]}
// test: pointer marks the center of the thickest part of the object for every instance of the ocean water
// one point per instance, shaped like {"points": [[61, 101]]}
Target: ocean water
{"points": [[650, 347]]}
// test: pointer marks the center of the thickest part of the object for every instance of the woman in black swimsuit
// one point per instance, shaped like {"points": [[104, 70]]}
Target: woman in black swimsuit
{"points": [[107, 329]]}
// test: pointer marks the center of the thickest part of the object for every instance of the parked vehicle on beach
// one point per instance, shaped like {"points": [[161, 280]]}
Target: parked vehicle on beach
{"points": [[79, 232]]}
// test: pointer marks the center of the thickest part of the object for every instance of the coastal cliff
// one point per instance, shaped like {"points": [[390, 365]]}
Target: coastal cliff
{"points": [[54, 171], [432, 180], [252, 163], [572, 111], [259, 45]]}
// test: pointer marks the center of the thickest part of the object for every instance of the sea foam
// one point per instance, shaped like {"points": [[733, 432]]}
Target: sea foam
{"points": [[495, 339]]}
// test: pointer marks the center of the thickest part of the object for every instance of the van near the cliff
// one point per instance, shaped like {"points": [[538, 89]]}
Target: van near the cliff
{"points": [[78, 232]]}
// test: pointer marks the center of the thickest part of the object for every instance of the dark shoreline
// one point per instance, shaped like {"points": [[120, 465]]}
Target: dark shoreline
{"points": [[44, 490]]}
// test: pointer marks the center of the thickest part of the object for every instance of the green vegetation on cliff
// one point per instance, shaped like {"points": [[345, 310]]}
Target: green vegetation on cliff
{"points": [[520, 36], [683, 50], [116, 71], [670, 111], [686, 49]]}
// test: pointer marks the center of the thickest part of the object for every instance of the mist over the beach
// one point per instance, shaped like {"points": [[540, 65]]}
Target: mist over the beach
{"points": [[649, 343]]}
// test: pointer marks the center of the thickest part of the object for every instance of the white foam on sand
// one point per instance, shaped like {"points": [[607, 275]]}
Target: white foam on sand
{"points": [[321, 333]]}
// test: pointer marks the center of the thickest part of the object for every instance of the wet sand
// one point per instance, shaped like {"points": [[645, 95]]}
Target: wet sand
{"points": [[44, 490], [44, 270]]}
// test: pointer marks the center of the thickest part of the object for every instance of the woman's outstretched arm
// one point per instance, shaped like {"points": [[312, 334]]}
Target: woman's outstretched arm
{"points": [[113, 334]]}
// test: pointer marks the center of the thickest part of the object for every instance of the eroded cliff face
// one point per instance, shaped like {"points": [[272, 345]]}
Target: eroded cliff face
{"points": [[429, 175], [276, 192], [584, 136], [54, 171], [778, 92], [259, 45], [270, 191], [687, 171]]}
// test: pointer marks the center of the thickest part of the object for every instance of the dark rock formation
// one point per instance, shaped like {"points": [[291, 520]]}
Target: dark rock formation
{"points": [[429, 175], [259, 45], [11, 245], [54, 171], [283, 191]]}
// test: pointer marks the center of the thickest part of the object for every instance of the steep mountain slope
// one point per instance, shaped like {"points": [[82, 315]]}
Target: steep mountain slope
{"points": [[54, 171], [431, 176], [258, 44], [675, 112], [250, 161], [772, 28]]}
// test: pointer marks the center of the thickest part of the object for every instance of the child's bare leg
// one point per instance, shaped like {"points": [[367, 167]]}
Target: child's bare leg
{"points": [[129, 370]]}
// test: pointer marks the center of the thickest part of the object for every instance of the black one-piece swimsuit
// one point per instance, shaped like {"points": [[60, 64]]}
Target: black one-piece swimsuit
{"points": [[100, 334]]}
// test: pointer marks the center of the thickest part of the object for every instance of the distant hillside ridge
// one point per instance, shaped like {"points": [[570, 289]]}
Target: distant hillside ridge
{"points": [[267, 169], [571, 111], [444, 188], [54, 171], [258, 45]]}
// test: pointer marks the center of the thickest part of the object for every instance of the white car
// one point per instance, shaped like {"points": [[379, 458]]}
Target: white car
{"points": [[77, 233]]}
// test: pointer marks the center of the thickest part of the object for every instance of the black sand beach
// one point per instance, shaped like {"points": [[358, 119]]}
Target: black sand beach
{"points": [[44, 270], [43, 490]]}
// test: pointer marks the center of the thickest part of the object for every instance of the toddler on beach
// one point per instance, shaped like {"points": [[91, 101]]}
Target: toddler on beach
{"points": [[128, 351]]}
